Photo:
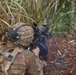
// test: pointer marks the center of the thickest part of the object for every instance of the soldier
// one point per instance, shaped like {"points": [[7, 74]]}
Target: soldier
{"points": [[14, 58]]}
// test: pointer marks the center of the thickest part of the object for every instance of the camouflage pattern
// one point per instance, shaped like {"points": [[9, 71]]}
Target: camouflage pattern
{"points": [[25, 63], [26, 33]]}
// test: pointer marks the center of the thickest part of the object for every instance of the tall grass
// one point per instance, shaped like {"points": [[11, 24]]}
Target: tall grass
{"points": [[39, 11]]}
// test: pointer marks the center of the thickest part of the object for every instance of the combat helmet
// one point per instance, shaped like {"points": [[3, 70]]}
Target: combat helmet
{"points": [[21, 33]]}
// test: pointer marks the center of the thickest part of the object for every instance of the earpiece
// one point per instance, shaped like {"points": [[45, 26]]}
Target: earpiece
{"points": [[13, 34]]}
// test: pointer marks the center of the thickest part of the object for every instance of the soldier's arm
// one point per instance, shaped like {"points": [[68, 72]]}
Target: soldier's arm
{"points": [[34, 65], [36, 51]]}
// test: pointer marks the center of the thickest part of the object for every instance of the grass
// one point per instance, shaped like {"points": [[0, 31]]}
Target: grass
{"points": [[39, 11]]}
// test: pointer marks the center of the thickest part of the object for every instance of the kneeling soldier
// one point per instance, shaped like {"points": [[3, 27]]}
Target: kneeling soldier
{"points": [[14, 58]]}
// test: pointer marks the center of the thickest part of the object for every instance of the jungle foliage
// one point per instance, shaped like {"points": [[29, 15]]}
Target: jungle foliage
{"points": [[63, 12]]}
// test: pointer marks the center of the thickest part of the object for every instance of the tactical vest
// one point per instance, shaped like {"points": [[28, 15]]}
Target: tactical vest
{"points": [[12, 61]]}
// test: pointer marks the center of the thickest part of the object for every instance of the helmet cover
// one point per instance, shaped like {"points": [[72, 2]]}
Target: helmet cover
{"points": [[25, 33]]}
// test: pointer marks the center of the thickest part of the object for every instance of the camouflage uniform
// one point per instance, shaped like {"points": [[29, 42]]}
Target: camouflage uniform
{"points": [[17, 61]]}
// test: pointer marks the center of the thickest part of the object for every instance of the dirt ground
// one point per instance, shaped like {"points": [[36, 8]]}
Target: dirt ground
{"points": [[61, 62]]}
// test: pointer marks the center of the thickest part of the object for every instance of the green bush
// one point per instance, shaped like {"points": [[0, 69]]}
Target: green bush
{"points": [[39, 11]]}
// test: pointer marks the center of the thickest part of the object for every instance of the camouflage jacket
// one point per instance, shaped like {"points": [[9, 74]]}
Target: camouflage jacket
{"points": [[16, 61]]}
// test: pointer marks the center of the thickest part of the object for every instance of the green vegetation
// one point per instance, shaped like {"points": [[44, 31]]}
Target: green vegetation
{"points": [[39, 11]]}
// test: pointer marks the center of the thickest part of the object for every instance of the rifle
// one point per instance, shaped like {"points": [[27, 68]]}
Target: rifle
{"points": [[39, 40]]}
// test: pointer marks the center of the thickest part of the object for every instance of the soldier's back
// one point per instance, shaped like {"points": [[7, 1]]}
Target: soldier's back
{"points": [[20, 62]]}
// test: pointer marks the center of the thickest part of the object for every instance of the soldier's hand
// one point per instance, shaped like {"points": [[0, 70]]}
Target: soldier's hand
{"points": [[36, 51]]}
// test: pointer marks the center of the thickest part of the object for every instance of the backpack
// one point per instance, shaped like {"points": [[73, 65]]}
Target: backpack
{"points": [[9, 56]]}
